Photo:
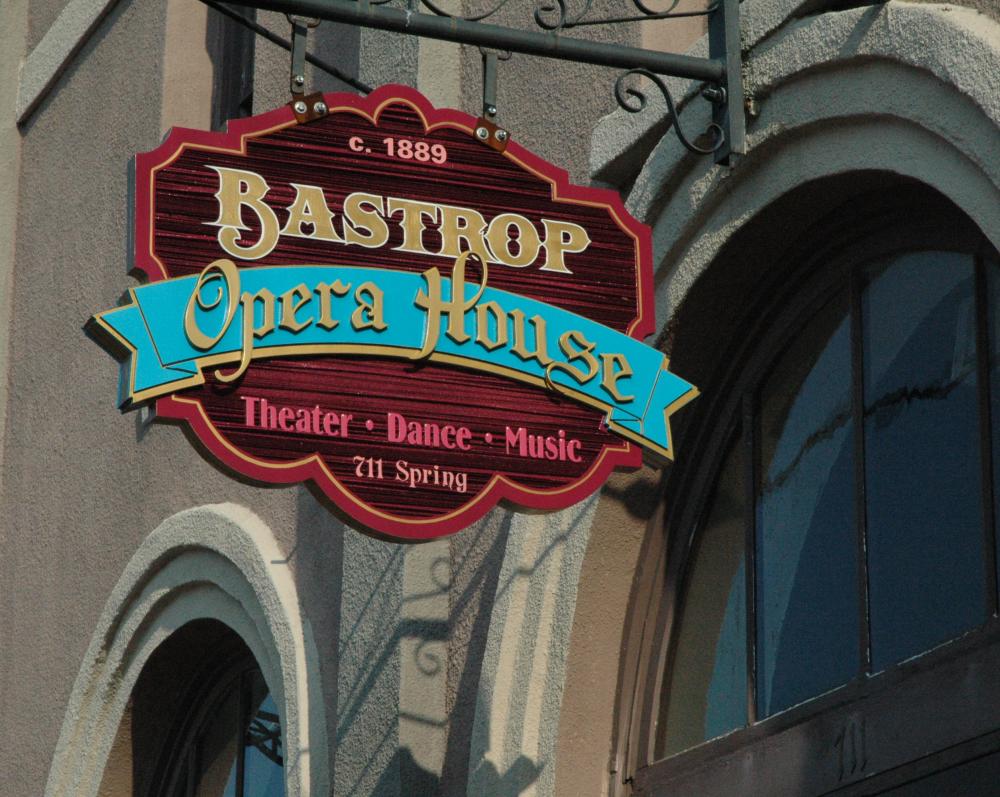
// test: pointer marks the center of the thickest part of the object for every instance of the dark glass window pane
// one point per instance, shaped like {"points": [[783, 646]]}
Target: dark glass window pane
{"points": [[217, 754], [217, 749], [807, 562], [263, 773], [925, 545], [993, 280], [706, 693]]}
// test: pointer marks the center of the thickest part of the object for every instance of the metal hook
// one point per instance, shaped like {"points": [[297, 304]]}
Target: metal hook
{"points": [[313, 106], [487, 130], [489, 85], [300, 34]]}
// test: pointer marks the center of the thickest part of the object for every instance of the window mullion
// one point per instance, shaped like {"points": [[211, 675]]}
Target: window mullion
{"points": [[243, 718], [983, 355], [860, 500], [749, 442]]}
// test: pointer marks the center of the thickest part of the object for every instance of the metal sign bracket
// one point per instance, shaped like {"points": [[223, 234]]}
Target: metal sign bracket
{"points": [[313, 106], [487, 129], [721, 72]]}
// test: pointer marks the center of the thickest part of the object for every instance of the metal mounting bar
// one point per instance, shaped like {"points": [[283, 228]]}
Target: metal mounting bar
{"points": [[727, 112], [300, 32], [490, 85], [546, 45]]}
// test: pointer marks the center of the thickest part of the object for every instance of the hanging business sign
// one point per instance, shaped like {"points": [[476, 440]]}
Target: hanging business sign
{"points": [[420, 323]]}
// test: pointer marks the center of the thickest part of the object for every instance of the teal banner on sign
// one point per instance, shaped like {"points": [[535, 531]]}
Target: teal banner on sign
{"points": [[226, 317]]}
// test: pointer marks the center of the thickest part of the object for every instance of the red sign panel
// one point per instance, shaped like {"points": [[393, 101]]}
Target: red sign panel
{"points": [[379, 303]]}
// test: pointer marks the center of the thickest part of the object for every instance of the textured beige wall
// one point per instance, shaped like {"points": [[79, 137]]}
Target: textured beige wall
{"points": [[626, 512], [76, 516], [118, 780], [70, 517], [186, 93], [43, 14], [83, 484], [14, 19]]}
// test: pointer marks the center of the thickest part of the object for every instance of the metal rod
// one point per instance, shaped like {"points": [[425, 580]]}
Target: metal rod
{"points": [[546, 45], [641, 18], [300, 35], [855, 308], [490, 85], [724, 44], [274, 38], [984, 389], [751, 476]]}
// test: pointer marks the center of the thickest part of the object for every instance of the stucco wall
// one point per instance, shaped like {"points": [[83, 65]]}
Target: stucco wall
{"points": [[505, 640], [401, 633]]}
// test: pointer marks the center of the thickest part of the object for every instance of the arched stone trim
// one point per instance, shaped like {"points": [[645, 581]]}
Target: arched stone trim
{"points": [[903, 88], [908, 88], [219, 562], [627, 516]]}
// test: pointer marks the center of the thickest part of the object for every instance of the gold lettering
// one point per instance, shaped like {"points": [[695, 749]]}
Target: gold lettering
{"points": [[251, 329], [326, 319], [237, 190], [562, 237], [291, 301], [609, 381], [412, 222], [528, 243], [462, 224], [433, 302], [520, 348], [368, 314], [230, 275], [566, 341], [309, 207], [249, 302], [365, 227], [483, 312]]}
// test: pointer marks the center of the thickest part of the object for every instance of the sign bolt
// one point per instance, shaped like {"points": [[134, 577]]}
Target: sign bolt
{"points": [[319, 108], [491, 110], [482, 133], [299, 80], [300, 107], [714, 94], [501, 135]]}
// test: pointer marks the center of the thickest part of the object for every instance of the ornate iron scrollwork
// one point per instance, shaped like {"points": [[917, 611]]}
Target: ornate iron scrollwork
{"points": [[720, 72], [555, 15], [634, 100]]}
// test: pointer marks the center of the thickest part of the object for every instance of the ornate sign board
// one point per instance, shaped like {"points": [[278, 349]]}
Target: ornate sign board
{"points": [[379, 302]]}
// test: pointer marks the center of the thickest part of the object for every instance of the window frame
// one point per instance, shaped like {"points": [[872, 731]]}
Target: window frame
{"points": [[231, 666], [912, 695]]}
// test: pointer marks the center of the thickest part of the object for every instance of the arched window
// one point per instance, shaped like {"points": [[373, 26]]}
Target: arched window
{"points": [[844, 527], [224, 735]]}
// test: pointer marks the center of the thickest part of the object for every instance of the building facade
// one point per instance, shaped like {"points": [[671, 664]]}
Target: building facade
{"points": [[804, 603]]}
